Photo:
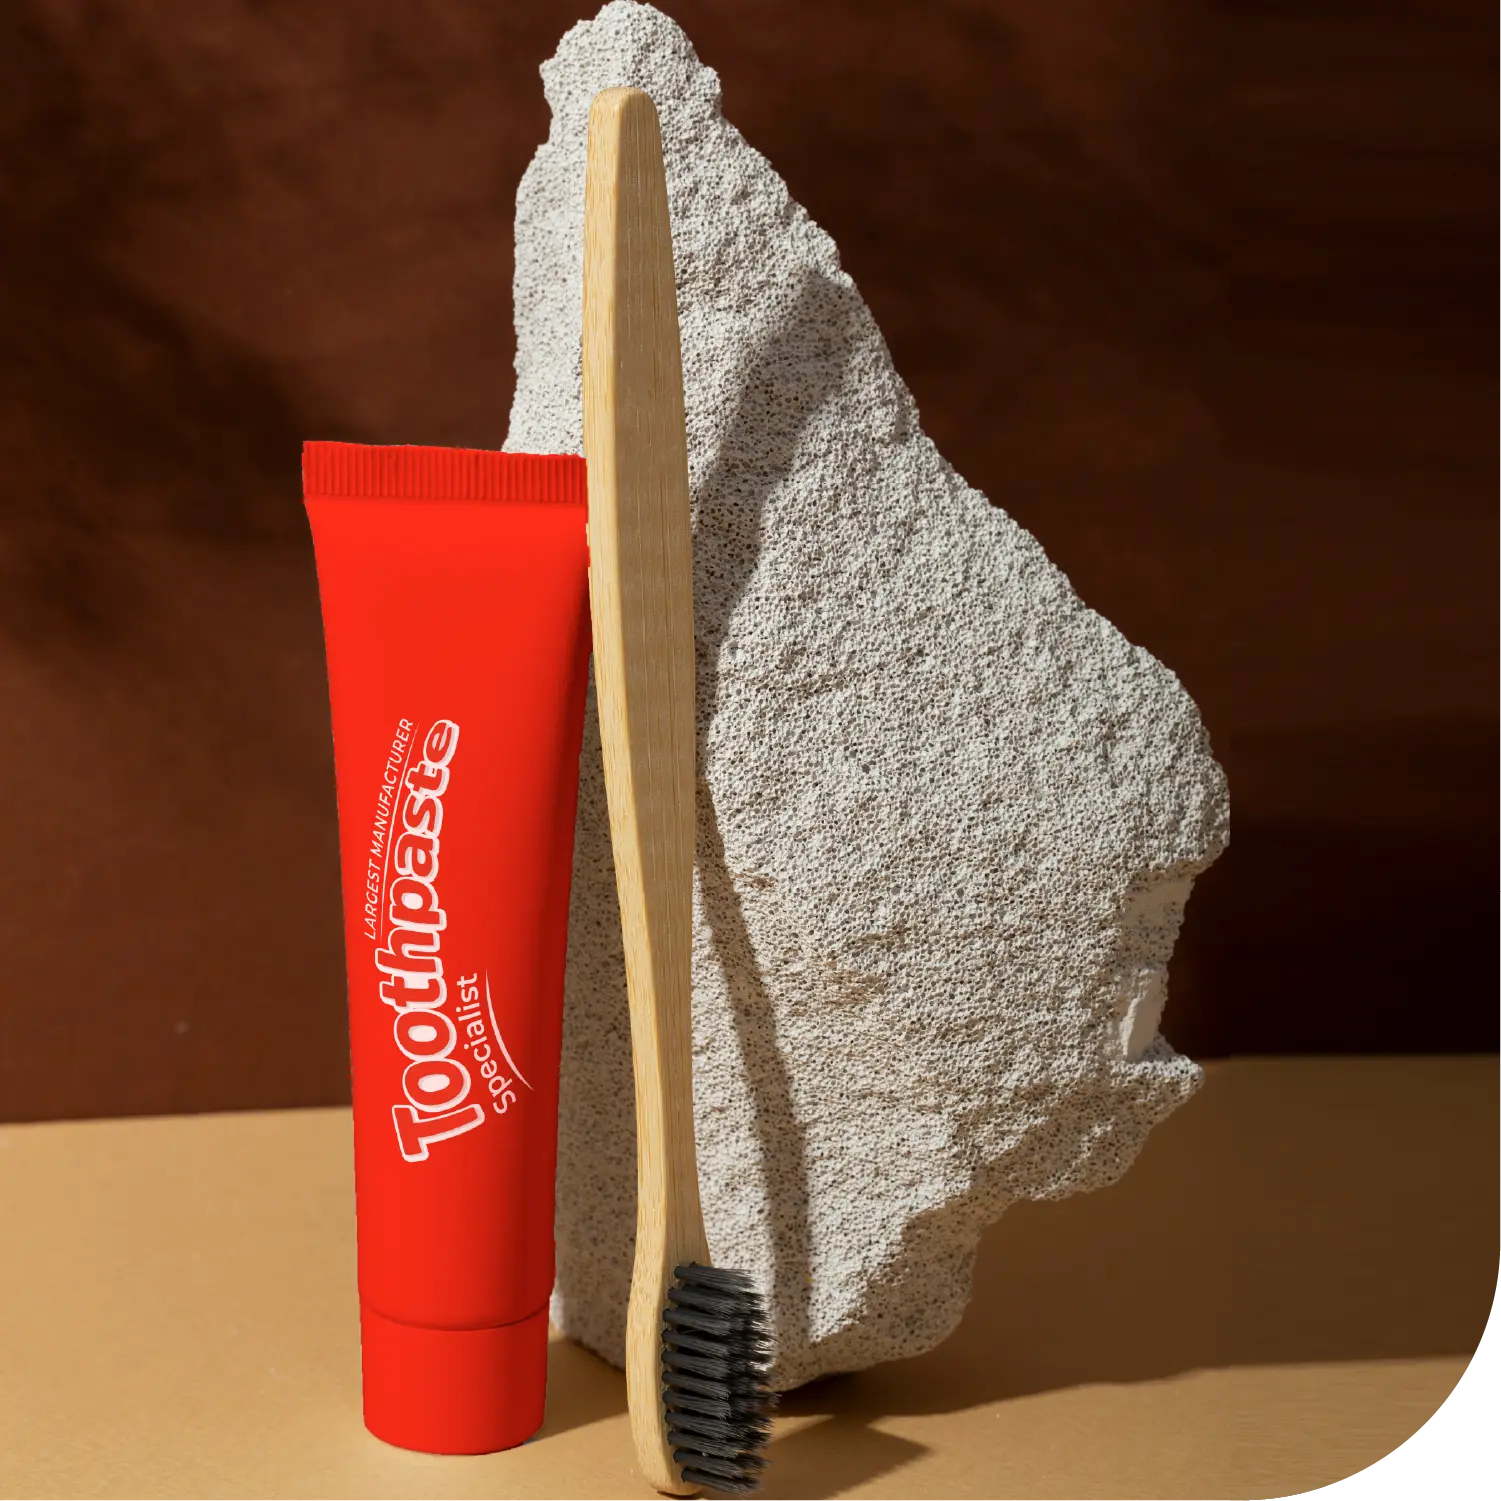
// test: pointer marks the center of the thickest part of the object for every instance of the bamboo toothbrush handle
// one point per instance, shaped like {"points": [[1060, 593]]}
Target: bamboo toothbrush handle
{"points": [[641, 597]]}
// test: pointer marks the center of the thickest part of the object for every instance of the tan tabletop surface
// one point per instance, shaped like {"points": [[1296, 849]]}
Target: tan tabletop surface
{"points": [[1285, 1287]]}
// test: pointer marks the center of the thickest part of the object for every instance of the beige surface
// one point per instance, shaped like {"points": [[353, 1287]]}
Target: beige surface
{"points": [[1282, 1290]]}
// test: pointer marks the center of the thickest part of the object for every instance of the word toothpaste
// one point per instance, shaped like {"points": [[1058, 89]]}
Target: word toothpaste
{"points": [[435, 1083]]}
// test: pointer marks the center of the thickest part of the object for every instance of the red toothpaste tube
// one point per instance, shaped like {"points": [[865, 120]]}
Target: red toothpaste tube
{"points": [[454, 585]]}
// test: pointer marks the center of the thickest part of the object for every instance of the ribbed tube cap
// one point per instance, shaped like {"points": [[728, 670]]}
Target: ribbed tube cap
{"points": [[401, 471]]}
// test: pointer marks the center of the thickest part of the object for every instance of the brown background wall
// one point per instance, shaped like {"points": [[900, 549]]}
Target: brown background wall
{"points": [[1202, 293]]}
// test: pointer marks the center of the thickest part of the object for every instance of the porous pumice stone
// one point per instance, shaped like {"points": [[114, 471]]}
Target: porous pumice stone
{"points": [[947, 816]]}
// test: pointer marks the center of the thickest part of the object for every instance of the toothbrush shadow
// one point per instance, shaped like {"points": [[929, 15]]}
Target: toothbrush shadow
{"points": [[830, 1456], [581, 1388], [824, 1457], [799, 369]]}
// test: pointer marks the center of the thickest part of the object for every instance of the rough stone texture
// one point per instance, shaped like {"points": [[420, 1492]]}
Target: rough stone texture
{"points": [[947, 816]]}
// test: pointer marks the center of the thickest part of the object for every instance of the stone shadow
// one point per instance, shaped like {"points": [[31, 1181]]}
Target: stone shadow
{"points": [[1298, 1211]]}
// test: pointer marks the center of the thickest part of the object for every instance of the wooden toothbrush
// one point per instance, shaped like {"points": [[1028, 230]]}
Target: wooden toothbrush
{"points": [[697, 1346]]}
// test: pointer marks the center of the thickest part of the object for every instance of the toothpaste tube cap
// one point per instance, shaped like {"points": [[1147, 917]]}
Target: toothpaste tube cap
{"points": [[453, 1391]]}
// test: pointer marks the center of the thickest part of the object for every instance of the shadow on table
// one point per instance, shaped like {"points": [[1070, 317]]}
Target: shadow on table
{"points": [[831, 1456], [1302, 1210], [1298, 1210], [581, 1388], [822, 1458]]}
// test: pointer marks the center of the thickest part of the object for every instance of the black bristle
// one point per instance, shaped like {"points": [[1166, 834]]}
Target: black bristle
{"points": [[715, 1483], [716, 1352]]}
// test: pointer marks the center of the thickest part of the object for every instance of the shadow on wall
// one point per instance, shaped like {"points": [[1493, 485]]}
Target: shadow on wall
{"points": [[158, 620], [1363, 873], [122, 415]]}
